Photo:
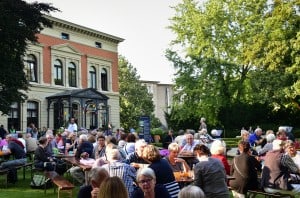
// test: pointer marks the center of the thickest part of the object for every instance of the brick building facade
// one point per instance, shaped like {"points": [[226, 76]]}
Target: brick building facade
{"points": [[73, 72]]}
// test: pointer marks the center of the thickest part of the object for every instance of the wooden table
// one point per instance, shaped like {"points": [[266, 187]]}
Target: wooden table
{"points": [[183, 178], [75, 162], [61, 155]]}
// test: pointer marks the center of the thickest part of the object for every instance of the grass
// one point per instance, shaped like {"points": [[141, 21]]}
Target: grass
{"points": [[22, 189]]}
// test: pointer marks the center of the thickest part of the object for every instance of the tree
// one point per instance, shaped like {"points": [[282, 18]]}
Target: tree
{"points": [[233, 52], [135, 100], [19, 24]]}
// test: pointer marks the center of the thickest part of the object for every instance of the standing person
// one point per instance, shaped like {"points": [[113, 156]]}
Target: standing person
{"points": [[244, 169], [148, 188], [96, 176], [168, 139], [72, 126], [210, 174], [3, 132], [202, 124], [12, 130], [112, 187], [32, 130], [163, 171]]}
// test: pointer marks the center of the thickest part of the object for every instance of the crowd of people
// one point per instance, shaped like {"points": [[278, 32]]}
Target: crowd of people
{"points": [[126, 166]]}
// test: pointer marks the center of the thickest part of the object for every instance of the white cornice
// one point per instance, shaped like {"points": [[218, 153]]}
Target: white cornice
{"points": [[83, 30]]}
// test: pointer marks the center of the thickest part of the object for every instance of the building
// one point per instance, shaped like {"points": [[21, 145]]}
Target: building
{"points": [[162, 98], [73, 72]]}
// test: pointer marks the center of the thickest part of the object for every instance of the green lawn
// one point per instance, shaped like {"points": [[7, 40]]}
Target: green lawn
{"points": [[22, 189]]}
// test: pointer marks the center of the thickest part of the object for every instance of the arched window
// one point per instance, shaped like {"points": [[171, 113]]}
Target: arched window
{"points": [[33, 112], [93, 78], [58, 72], [31, 68], [72, 74], [14, 116], [104, 83]]}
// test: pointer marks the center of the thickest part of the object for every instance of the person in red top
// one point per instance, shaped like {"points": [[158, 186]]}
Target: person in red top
{"points": [[217, 150]]}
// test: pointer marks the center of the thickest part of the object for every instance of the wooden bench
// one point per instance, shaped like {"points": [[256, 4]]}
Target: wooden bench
{"points": [[5, 173], [62, 183], [24, 166], [253, 193]]}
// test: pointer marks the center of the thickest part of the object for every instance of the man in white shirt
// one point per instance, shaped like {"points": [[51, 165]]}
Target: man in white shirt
{"points": [[72, 126], [188, 148], [21, 139]]}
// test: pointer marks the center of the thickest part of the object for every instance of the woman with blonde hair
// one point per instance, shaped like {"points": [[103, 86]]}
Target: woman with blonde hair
{"points": [[177, 164], [113, 187], [148, 188]]}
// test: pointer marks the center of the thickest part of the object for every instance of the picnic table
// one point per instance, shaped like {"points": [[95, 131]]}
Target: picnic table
{"points": [[86, 168]]}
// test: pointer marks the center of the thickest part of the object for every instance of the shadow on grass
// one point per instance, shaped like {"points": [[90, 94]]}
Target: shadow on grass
{"points": [[22, 189]]}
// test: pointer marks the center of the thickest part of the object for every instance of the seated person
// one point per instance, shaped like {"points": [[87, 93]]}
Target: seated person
{"points": [[96, 176], [71, 142], [292, 152], [86, 148], [135, 159], [146, 180], [177, 164], [16, 149], [277, 169], [189, 146], [42, 159]]}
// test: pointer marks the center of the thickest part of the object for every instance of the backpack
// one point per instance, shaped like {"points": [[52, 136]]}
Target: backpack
{"points": [[61, 167]]}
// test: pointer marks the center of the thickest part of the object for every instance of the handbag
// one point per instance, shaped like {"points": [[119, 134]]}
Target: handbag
{"points": [[40, 182]]}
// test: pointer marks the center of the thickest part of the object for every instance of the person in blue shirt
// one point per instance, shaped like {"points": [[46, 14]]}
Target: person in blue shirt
{"points": [[255, 138]]}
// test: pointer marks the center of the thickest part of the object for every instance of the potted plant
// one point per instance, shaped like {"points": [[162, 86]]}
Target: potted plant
{"points": [[156, 133]]}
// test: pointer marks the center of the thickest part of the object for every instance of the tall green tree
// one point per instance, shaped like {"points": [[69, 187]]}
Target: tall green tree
{"points": [[135, 101], [19, 24], [224, 51]]}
